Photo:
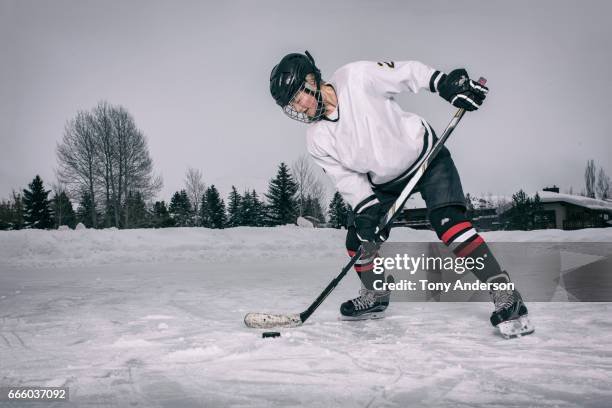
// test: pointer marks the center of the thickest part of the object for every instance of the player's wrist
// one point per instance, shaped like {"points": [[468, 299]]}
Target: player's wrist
{"points": [[436, 79]]}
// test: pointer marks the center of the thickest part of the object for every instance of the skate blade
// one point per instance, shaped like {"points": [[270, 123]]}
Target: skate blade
{"points": [[365, 316], [516, 328]]}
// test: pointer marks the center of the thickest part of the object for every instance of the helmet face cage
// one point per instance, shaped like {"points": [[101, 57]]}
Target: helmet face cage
{"points": [[290, 111]]}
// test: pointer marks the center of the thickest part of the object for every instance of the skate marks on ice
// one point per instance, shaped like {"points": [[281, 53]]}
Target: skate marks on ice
{"points": [[9, 334], [107, 344], [434, 356], [463, 364], [437, 356]]}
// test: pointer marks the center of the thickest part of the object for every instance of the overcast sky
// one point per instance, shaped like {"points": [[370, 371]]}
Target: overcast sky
{"points": [[195, 77]]}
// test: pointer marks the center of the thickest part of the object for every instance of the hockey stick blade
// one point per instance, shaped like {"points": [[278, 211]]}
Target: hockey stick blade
{"points": [[269, 320]]}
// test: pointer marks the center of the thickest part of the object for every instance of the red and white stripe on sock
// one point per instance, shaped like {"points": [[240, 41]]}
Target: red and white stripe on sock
{"points": [[465, 242], [365, 263], [462, 238]]}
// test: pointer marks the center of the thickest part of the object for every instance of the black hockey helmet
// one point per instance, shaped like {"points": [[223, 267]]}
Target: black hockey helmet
{"points": [[288, 78], [289, 74]]}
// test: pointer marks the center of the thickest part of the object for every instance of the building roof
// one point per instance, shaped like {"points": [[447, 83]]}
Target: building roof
{"points": [[591, 203]]}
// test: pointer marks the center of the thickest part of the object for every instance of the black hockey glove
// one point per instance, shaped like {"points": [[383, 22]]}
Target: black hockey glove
{"points": [[461, 91], [367, 222]]}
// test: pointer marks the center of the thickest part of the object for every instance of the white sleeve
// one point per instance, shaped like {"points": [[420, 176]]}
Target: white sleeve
{"points": [[400, 76], [354, 187]]}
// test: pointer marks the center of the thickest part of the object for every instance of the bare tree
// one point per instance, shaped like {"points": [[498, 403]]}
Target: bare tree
{"points": [[138, 169], [603, 184], [124, 130], [308, 184], [78, 158], [502, 204], [104, 153], [134, 166], [107, 147], [317, 191], [195, 187], [589, 178]]}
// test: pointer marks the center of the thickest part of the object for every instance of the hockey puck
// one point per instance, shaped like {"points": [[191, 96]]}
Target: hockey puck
{"points": [[270, 334]]}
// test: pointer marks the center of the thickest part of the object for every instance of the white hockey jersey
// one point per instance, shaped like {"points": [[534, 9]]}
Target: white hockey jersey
{"points": [[373, 141]]}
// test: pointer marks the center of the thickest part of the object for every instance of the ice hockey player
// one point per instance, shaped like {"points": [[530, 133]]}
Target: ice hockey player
{"points": [[370, 147]]}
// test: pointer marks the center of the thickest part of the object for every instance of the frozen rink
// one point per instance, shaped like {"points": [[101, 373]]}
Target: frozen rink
{"points": [[153, 318]]}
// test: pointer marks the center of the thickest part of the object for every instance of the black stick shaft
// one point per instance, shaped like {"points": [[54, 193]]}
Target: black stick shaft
{"points": [[332, 285]]}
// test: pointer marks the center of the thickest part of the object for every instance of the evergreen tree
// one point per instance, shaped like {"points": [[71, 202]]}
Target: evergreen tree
{"points": [[215, 208], [338, 211], [282, 207], [312, 208], [234, 208], [11, 213], [180, 209], [161, 217], [521, 211], [86, 210], [259, 210], [6, 214], [37, 205], [18, 221], [109, 215], [536, 204], [135, 214], [63, 211], [538, 219], [247, 215], [252, 209], [205, 218], [187, 209]]}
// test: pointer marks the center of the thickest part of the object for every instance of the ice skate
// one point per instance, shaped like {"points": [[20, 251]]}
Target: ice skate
{"points": [[370, 304], [510, 315]]}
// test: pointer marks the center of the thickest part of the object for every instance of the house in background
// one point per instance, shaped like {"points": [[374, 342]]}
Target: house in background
{"points": [[414, 215], [558, 211], [484, 219], [414, 218], [571, 212]]}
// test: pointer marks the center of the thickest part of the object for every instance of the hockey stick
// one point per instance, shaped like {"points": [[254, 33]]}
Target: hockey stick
{"points": [[269, 320]]}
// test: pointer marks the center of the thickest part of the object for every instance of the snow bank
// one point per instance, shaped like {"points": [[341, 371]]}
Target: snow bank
{"points": [[304, 223], [89, 247]]}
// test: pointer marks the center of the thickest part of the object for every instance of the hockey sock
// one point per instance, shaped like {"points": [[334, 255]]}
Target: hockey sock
{"points": [[365, 264], [458, 233], [365, 269]]}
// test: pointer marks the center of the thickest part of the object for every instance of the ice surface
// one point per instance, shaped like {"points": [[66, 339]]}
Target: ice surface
{"points": [[154, 318]]}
